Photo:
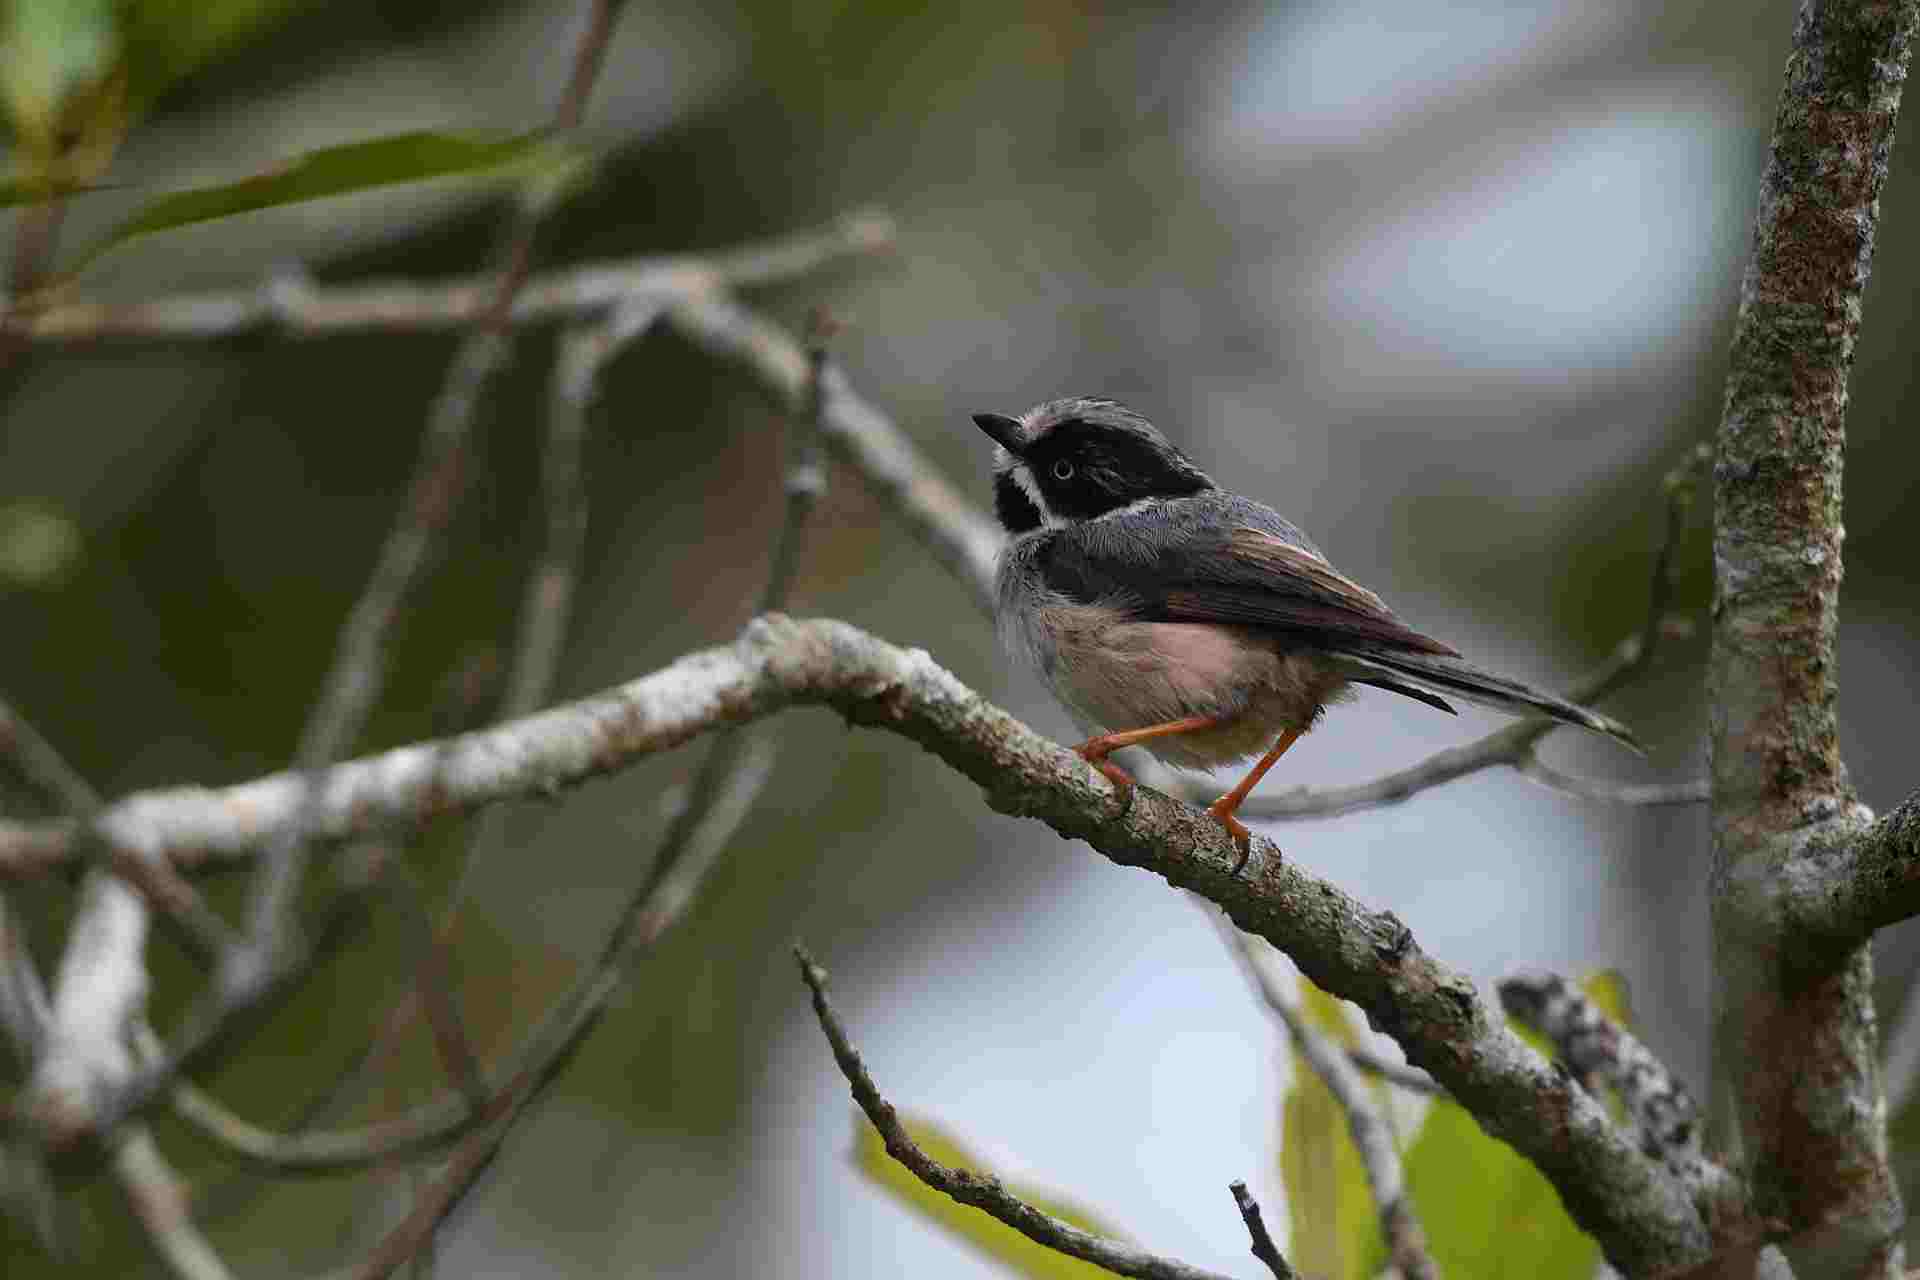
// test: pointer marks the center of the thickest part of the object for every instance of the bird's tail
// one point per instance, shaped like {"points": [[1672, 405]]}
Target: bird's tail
{"points": [[1450, 676]]}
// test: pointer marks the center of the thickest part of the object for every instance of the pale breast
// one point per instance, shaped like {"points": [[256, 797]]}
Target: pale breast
{"points": [[1115, 673], [1118, 674]]}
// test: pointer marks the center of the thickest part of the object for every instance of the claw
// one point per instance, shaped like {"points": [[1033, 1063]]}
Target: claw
{"points": [[1221, 811]]}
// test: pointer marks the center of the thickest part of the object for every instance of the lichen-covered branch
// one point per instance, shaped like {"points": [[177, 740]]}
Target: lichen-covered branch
{"points": [[1794, 1016], [1599, 1051]]}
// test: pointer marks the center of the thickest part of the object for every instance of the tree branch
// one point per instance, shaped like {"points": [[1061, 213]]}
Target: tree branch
{"points": [[1600, 1051], [1794, 1018], [967, 1187], [1640, 1214], [301, 310], [959, 534]]}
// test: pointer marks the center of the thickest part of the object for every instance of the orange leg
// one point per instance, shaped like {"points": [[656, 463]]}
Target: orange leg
{"points": [[1223, 808], [1096, 750]]}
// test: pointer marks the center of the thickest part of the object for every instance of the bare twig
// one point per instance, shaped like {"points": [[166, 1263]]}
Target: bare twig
{"points": [[433, 981], [546, 605], [358, 672], [200, 928], [24, 1010], [960, 536], [1372, 1139], [1266, 985], [965, 1186], [1646, 795], [303, 310], [648, 915], [1263, 1246], [155, 1194], [41, 765]]}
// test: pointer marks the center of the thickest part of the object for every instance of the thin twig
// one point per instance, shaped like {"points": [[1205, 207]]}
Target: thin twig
{"points": [[732, 773], [157, 1198], [1263, 1245], [359, 668], [546, 605], [197, 925], [42, 766], [965, 1186], [1267, 987], [1643, 795], [303, 310], [1372, 1138], [730, 777], [552, 1046], [433, 980], [24, 1009], [454, 1182], [960, 535], [447, 1117]]}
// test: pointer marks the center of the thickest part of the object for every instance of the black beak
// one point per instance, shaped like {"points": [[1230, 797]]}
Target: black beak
{"points": [[1005, 432]]}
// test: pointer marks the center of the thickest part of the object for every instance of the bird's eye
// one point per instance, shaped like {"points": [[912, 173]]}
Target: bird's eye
{"points": [[1063, 470]]}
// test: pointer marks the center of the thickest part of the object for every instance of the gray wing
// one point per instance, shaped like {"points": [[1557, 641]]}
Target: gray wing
{"points": [[1217, 557]]}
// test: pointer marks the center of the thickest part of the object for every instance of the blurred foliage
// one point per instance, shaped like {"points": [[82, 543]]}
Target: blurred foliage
{"points": [[350, 167], [167, 39], [985, 1234], [1335, 1226], [78, 73], [39, 543]]}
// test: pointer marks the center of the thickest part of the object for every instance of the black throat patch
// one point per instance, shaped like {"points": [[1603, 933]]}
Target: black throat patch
{"points": [[1011, 503]]}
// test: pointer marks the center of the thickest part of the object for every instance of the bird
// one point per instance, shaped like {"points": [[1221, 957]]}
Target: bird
{"points": [[1168, 613]]}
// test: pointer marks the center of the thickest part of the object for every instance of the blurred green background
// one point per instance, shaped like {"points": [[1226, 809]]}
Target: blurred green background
{"points": [[1449, 284]]}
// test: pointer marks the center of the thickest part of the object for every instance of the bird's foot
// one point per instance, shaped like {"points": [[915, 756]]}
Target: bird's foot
{"points": [[1094, 752], [1221, 811]]}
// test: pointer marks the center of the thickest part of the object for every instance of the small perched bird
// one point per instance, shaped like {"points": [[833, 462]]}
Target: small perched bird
{"points": [[1169, 614]]}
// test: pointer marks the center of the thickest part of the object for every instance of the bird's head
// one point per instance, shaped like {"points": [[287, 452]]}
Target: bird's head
{"points": [[1074, 459]]}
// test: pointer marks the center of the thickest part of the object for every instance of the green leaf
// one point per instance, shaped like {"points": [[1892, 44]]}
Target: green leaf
{"points": [[39, 543], [1335, 1225], [336, 171], [984, 1234], [1487, 1211], [55, 52]]}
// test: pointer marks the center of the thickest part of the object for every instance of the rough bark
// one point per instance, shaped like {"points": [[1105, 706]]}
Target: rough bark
{"points": [[1795, 1035]]}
